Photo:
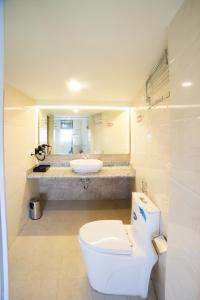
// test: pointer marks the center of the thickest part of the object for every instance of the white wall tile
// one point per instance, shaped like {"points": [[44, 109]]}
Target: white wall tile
{"points": [[183, 258], [20, 131], [150, 156]]}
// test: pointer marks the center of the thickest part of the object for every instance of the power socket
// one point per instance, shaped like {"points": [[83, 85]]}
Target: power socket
{"points": [[144, 186]]}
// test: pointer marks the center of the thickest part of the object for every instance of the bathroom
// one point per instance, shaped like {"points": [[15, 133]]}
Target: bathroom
{"points": [[112, 85]]}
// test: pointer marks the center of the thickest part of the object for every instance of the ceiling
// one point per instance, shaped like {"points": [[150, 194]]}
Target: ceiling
{"points": [[111, 45]]}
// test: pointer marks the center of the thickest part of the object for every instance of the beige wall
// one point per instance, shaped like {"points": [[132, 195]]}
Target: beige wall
{"points": [[151, 158], [20, 131], [183, 259], [110, 135]]}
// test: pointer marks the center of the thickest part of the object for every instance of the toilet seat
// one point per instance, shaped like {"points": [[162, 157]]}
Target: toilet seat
{"points": [[107, 236]]}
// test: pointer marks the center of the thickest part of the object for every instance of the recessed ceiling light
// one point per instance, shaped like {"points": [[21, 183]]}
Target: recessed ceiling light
{"points": [[75, 85], [186, 84], [75, 110]]}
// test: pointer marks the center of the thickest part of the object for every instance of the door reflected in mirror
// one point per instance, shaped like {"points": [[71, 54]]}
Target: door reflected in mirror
{"points": [[95, 131]]}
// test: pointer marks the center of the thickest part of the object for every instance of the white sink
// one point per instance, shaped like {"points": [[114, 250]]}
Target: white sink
{"points": [[86, 165]]}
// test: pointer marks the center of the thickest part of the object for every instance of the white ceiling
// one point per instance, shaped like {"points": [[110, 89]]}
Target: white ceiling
{"points": [[111, 45]]}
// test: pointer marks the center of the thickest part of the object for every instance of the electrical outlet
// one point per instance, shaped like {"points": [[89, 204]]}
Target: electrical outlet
{"points": [[144, 186]]}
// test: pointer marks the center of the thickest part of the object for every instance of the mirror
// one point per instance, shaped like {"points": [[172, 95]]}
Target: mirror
{"points": [[74, 131]]}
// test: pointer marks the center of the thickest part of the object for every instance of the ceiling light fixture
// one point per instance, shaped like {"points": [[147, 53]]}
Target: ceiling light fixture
{"points": [[75, 85], [186, 84]]}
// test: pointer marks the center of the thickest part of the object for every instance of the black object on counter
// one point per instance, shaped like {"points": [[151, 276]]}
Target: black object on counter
{"points": [[41, 168]]}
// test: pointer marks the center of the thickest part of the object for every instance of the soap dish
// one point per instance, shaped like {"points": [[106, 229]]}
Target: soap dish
{"points": [[41, 168]]}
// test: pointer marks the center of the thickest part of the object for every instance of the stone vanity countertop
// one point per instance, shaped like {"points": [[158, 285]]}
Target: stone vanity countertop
{"points": [[66, 172]]}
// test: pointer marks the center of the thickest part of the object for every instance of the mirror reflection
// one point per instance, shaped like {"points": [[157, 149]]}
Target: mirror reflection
{"points": [[85, 131]]}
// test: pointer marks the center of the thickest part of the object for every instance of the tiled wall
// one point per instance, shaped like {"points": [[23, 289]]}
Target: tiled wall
{"points": [[166, 153], [42, 128], [183, 259], [151, 159], [108, 159], [20, 131]]}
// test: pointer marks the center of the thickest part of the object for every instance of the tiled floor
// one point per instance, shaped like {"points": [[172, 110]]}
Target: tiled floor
{"points": [[45, 260]]}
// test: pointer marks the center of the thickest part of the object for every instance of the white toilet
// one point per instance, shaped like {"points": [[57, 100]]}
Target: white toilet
{"points": [[119, 258]]}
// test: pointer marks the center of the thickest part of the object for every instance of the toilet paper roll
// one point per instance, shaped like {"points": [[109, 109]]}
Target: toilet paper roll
{"points": [[160, 244]]}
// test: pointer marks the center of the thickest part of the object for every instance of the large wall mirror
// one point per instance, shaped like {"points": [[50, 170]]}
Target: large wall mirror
{"points": [[76, 131]]}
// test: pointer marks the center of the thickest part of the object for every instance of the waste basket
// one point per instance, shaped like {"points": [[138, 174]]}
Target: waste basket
{"points": [[35, 210]]}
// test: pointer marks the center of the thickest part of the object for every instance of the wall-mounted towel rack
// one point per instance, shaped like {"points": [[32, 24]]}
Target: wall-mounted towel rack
{"points": [[157, 85]]}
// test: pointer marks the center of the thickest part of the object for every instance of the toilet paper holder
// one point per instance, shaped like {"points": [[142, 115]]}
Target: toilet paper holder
{"points": [[160, 244]]}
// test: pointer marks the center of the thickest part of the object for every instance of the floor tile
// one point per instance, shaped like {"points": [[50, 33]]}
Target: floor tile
{"points": [[46, 261], [74, 289]]}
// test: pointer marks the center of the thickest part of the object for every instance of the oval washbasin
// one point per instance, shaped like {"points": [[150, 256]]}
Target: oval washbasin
{"points": [[86, 165]]}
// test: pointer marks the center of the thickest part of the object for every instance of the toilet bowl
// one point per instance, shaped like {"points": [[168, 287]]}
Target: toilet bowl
{"points": [[119, 258]]}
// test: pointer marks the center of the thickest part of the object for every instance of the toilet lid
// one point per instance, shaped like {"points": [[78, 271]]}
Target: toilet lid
{"points": [[108, 236]]}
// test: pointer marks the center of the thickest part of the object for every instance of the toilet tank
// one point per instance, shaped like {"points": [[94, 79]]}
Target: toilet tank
{"points": [[145, 218]]}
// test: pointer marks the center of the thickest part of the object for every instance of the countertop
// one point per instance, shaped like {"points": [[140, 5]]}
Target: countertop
{"points": [[66, 172]]}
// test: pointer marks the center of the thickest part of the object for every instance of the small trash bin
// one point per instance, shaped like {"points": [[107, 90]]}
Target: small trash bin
{"points": [[35, 209]]}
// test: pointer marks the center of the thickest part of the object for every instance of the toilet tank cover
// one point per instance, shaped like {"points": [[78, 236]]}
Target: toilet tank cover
{"points": [[107, 236]]}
